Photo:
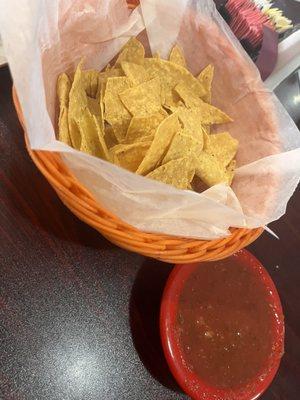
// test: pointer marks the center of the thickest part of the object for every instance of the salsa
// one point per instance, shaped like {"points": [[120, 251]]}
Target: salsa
{"points": [[224, 323]]}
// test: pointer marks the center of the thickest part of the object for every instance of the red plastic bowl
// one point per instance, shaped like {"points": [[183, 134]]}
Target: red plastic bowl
{"points": [[187, 379]]}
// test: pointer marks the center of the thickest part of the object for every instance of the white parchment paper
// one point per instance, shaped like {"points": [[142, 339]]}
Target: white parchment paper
{"points": [[44, 38]]}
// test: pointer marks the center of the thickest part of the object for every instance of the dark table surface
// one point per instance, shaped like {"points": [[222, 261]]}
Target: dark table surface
{"points": [[79, 316]]}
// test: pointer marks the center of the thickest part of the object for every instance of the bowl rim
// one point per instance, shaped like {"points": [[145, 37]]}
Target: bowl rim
{"points": [[188, 380]]}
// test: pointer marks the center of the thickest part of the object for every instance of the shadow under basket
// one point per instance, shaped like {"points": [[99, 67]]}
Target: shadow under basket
{"points": [[162, 247]]}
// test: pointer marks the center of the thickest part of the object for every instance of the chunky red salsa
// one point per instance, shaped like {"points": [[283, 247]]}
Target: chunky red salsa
{"points": [[225, 323]]}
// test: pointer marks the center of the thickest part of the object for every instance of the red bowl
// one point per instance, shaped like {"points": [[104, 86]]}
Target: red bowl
{"points": [[192, 384]]}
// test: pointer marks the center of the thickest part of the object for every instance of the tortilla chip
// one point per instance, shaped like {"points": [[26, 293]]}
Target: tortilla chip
{"points": [[206, 129], [189, 97], [191, 171], [141, 128], [143, 100], [130, 156], [109, 136], [205, 136], [222, 146], [135, 72], [92, 139], [133, 51], [177, 57], [63, 126], [204, 114], [116, 113], [230, 172], [103, 76], [170, 74], [63, 90], [104, 153], [209, 170], [77, 105], [91, 81], [162, 139], [120, 128], [205, 78], [93, 105], [182, 145], [96, 107], [191, 125], [175, 172], [101, 95], [110, 73], [175, 108], [101, 104]]}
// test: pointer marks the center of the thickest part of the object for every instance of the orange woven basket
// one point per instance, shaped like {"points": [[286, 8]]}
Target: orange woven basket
{"points": [[162, 247]]}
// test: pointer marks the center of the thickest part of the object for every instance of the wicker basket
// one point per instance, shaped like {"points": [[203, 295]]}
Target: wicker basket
{"points": [[162, 247]]}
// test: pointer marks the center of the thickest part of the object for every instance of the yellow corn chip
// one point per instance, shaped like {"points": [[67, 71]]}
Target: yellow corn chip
{"points": [[120, 128], [230, 172], [63, 126], [91, 81], [104, 152], [209, 170], [93, 105], [141, 128], [162, 139], [191, 171], [109, 137], [190, 98], [110, 73], [116, 113], [101, 94], [100, 131], [205, 136], [182, 145], [175, 108], [92, 139], [191, 125], [206, 129], [222, 146], [96, 108], [205, 78], [177, 57], [144, 99], [101, 104], [133, 51], [177, 173], [148, 138], [170, 74], [204, 114], [135, 72], [77, 105], [63, 90], [103, 76], [129, 156]]}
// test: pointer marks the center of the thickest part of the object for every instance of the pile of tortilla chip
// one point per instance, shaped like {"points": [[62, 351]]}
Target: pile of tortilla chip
{"points": [[150, 116]]}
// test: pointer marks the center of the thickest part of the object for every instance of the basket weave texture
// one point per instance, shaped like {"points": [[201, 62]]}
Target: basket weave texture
{"points": [[162, 247]]}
